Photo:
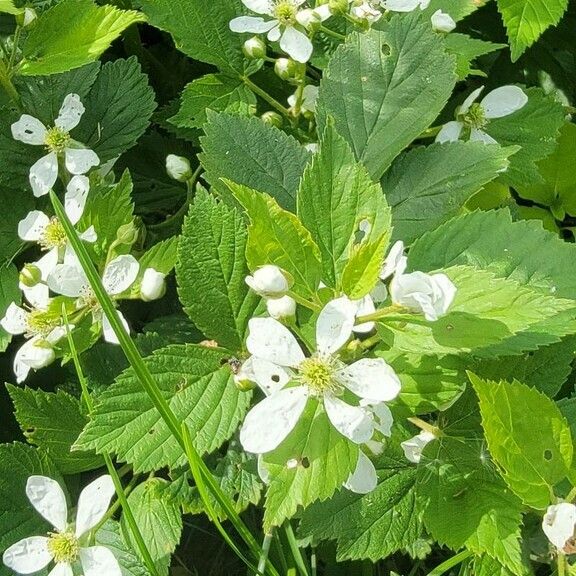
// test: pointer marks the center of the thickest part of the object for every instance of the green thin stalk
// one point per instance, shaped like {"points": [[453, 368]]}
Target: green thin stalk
{"points": [[15, 43], [332, 33], [266, 97], [130, 520], [147, 381], [295, 549], [561, 560], [450, 563], [6, 83], [265, 551]]}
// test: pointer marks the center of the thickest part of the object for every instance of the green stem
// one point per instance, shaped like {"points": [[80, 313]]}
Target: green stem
{"points": [[7, 84], [430, 132], [313, 563], [450, 563], [15, 42], [303, 302], [266, 97], [332, 33], [425, 426], [561, 560], [571, 495], [393, 314], [265, 551], [295, 549]]}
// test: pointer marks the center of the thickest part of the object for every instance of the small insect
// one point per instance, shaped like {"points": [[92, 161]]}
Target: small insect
{"points": [[234, 364]]}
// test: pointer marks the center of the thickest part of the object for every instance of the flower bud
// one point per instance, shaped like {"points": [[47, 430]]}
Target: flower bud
{"points": [[30, 275], [338, 6], [269, 281], [288, 69], [178, 168], [272, 118], [153, 285], [26, 17], [280, 308], [442, 22], [127, 234], [254, 48]]}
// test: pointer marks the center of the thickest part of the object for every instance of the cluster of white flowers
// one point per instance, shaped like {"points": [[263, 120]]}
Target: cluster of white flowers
{"points": [[354, 396], [58, 271], [69, 544], [290, 22]]}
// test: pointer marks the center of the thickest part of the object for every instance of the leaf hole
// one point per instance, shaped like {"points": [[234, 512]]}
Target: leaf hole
{"points": [[386, 50], [548, 455]]}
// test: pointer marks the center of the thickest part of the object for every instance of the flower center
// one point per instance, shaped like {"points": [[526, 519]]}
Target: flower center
{"points": [[54, 235], [41, 322], [57, 139], [63, 547], [475, 117], [88, 298], [318, 373], [285, 12]]}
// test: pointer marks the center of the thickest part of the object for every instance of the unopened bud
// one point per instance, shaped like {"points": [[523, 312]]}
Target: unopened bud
{"points": [[153, 285], [272, 118], [30, 275], [280, 308], [269, 281], [26, 17], [254, 48], [127, 234], [288, 69], [178, 168], [442, 22]]}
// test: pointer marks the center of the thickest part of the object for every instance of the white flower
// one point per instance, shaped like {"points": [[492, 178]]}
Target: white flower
{"points": [[286, 25], [269, 281], [442, 22], [70, 280], [475, 116], [405, 5], [365, 306], [178, 168], [280, 308], [77, 159], [414, 446], [394, 262], [364, 479], [67, 545], [366, 11], [153, 285], [558, 523], [309, 97], [277, 359]]}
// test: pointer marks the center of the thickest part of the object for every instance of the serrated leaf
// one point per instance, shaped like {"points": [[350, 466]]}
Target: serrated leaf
{"points": [[257, 155], [10, 242], [276, 236], [487, 566], [457, 9], [201, 29], [371, 78], [211, 271], [527, 436], [198, 385], [362, 270], [118, 109], [324, 459], [426, 186], [467, 49], [109, 535], [7, 6], [336, 194], [216, 92], [9, 292], [53, 422], [526, 20], [71, 34]]}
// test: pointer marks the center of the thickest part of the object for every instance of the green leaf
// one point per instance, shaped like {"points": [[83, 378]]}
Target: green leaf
{"points": [[527, 436], [109, 535], [457, 9], [7, 6], [466, 50], [162, 256], [466, 502], [156, 512], [526, 20], [363, 268], [257, 155], [535, 129], [53, 422], [216, 92], [485, 311], [198, 385], [9, 292], [71, 34], [426, 186], [558, 189], [487, 566], [10, 242], [371, 78], [17, 517], [324, 459], [201, 29], [118, 109], [211, 271], [373, 526], [277, 237], [336, 194]]}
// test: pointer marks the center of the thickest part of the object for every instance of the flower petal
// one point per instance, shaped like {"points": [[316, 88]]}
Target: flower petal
{"points": [[334, 325], [258, 6], [450, 132], [14, 321], [70, 113], [365, 307], [472, 97], [252, 24], [28, 555], [108, 331], [47, 263], [364, 479], [559, 522], [481, 136], [29, 130], [395, 261], [296, 44], [67, 280], [93, 503], [99, 561], [414, 446], [120, 274], [43, 174], [80, 160], [272, 341], [354, 422], [47, 497], [32, 226], [75, 198], [62, 569], [372, 379], [274, 34], [37, 296], [270, 421], [383, 418], [503, 101], [401, 5], [269, 376]]}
